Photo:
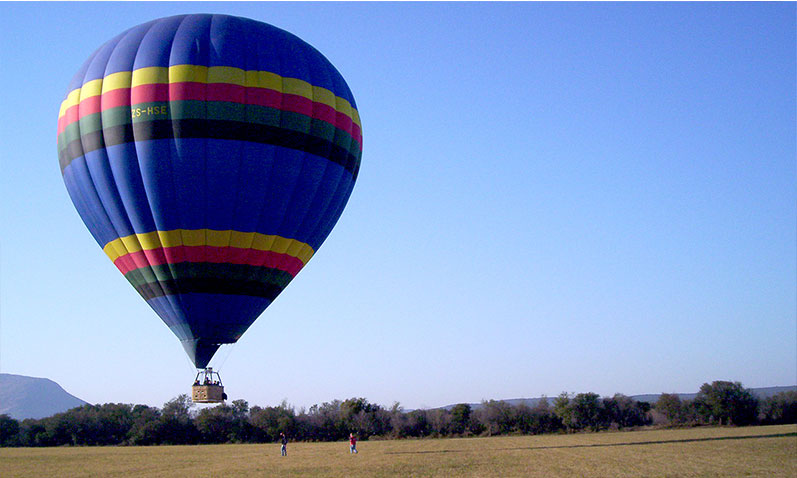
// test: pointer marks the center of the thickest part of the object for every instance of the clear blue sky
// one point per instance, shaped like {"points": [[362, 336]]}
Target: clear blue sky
{"points": [[553, 197]]}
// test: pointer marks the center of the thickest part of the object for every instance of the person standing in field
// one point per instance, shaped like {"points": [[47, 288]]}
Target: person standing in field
{"points": [[352, 443], [284, 441]]}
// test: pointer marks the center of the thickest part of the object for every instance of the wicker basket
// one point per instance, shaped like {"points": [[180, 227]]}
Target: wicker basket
{"points": [[207, 394]]}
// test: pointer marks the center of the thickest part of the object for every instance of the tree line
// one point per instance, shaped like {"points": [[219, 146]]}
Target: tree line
{"points": [[723, 403]]}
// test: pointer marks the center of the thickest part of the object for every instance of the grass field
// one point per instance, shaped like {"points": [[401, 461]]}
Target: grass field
{"points": [[754, 451]]}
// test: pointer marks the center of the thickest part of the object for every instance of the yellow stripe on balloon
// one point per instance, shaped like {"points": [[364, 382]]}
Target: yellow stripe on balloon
{"points": [[149, 241], [92, 88], [115, 249], [72, 99], [192, 237], [218, 238], [208, 237], [214, 74], [117, 81], [242, 240], [188, 73], [150, 75], [226, 74], [170, 240], [264, 79]]}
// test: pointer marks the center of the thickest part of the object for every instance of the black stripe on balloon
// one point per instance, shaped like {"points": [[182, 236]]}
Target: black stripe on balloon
{"points": [[208, 286], [208, 270], [210, 129]]}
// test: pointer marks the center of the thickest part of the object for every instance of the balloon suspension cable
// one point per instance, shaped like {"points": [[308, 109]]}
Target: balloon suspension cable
{"points": [[226, 351], [207, 376], [190, 364]]}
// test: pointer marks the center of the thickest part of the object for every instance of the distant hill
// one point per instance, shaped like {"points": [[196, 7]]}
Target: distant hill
{"points": [[30, 397], [760, 393]]}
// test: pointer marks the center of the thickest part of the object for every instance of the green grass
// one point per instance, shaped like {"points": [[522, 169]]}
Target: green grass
{"points": [[753, 451]]}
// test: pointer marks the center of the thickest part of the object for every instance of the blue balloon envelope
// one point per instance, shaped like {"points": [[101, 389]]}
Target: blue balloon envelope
{"points": [[210, 156]]}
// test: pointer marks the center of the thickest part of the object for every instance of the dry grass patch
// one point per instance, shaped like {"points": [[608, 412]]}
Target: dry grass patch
{"points": [[703, 452]]}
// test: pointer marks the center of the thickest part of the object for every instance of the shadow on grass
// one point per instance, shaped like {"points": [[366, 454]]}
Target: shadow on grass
{"points": [[600, 445]]}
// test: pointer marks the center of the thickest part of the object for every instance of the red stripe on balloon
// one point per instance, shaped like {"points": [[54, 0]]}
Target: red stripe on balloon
{"points": [[186, 91], [69, 117], [116, 98], [264, 97], [212, 254], [227, 92], [191, 91], [90, 106]]}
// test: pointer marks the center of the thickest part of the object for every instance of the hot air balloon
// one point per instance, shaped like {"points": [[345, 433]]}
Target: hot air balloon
{"points": [[209, 156]]}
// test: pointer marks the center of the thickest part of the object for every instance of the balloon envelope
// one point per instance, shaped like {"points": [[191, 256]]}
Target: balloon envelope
{"points": [[209, 156]]}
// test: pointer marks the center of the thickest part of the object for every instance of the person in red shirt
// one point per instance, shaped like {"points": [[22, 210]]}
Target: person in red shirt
{"points": [[352, 443]]}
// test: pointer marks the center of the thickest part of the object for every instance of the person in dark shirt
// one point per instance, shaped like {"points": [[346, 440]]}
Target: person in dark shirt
{"points": [[284, 441]]}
